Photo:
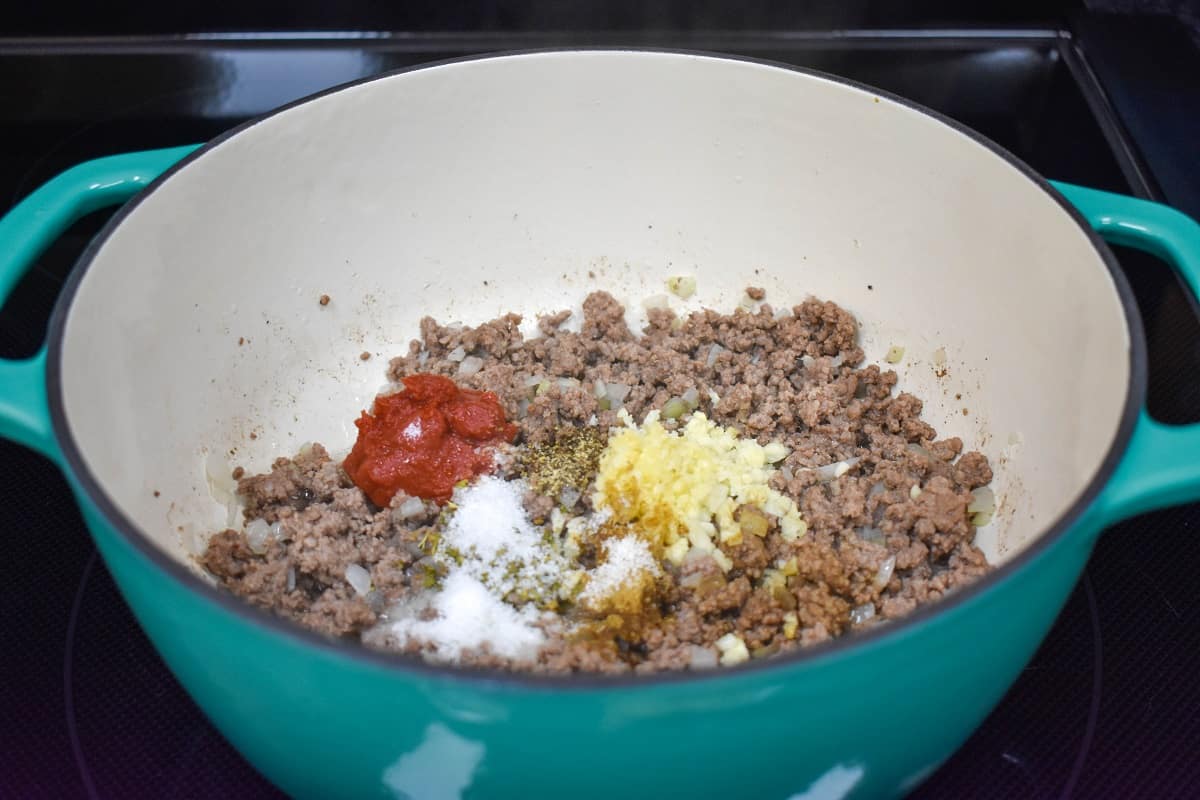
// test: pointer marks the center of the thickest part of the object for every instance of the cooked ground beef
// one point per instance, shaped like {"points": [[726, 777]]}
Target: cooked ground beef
{"points": [[876, 546]]}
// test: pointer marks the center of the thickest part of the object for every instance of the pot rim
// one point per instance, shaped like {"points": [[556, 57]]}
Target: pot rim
{"points": [[416, 667]]}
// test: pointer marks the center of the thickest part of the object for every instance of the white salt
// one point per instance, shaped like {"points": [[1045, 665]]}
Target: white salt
{"points": [[628, 560], [497, 544], [468, 615], [412, 431]]}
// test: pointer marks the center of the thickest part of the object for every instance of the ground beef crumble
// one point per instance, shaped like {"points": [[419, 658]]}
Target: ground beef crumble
{"points": [[874, 542]]}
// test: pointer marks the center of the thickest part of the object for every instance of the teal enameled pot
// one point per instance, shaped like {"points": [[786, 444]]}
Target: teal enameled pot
{"points": [[190, 339]]}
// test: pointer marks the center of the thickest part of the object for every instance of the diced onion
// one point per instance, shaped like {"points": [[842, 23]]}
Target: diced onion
{"points": [[257, 533], [861, 614], [457, 354], [411, 507], [982, 499], [691, 398], [914, 492], [894, 355], [470, 365], [884, 575], [533, 380], [876, 489], [359, 579], [713, 352], [702, 658], [617, 392], [600, 389], [291, 579], [918, 450], [837, 469], [871, 534]]}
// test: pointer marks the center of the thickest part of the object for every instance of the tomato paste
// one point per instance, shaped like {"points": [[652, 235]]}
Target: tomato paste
{"points": [[425, 439]]}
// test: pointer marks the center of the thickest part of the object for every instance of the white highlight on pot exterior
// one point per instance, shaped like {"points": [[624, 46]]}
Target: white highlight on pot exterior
{"points": [[836, 784], [442, 767]]}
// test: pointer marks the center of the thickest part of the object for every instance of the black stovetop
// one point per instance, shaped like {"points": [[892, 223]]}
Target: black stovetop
{"points": [[1110, 706]]}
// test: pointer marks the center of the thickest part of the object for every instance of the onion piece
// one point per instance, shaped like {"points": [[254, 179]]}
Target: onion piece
{"points": [[532, 380], [713, 352], [982, 499], [702, 658], [617, 392], [257, 533], [871, 534], [359, 579], [691, 398], [884, 575], [599, 389], [861, 614], [411, 507], [457, 354], [291, 579], [876, 489], [837, 469], [470, 365]]}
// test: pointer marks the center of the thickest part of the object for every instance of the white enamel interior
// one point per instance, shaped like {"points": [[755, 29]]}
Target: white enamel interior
{"points": [[521, 183]]}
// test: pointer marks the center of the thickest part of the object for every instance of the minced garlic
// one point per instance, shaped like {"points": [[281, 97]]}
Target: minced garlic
{"points": [[686, 485]]}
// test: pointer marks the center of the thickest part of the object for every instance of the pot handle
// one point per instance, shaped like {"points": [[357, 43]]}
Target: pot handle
{"points": [[25, 232], [1161, 465]]}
